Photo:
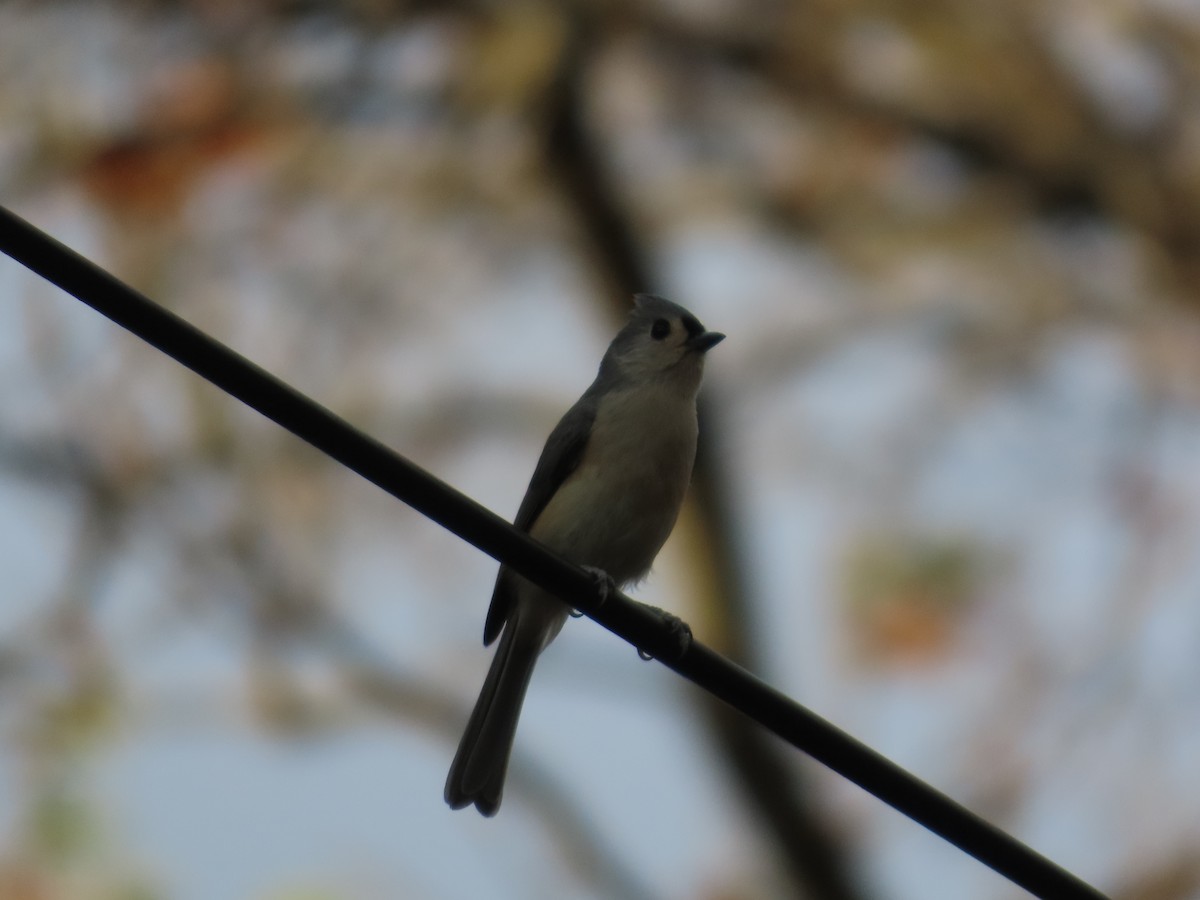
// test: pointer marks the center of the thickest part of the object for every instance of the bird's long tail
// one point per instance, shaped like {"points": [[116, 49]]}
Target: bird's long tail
{"points": [[477, 773]]}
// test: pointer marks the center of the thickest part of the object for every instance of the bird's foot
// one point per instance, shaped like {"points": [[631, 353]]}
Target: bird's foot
{"points": [[605, 586], [678, 633]]}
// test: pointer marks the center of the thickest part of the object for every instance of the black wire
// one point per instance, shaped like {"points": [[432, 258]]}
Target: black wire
{"points": [[641, 626]]}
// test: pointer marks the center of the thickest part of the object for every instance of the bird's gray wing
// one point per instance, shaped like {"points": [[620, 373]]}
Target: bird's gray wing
{"points": [[560, 457]]}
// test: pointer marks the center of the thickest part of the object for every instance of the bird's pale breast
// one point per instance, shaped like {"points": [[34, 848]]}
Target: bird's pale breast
{"points": [[617, 508]]}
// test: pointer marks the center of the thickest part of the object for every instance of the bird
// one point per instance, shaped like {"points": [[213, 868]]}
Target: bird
{"points": [[605, 495]]}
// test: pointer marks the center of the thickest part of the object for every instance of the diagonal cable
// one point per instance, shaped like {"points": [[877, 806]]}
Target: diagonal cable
{"points": [[644, 628]]}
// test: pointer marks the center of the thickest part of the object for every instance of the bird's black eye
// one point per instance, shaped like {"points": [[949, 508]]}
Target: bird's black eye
{"points": [[660, 329]]}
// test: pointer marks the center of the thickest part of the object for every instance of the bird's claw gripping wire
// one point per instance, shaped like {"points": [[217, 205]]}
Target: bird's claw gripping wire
{"points": [[605, 586], [679, 633]]}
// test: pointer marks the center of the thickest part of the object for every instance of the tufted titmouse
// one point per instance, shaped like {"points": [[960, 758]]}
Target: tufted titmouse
{"points": [[605, 494]]}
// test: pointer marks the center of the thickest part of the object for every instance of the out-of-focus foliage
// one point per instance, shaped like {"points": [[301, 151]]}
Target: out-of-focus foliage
{"points": [[907, 601], [954, 247]]}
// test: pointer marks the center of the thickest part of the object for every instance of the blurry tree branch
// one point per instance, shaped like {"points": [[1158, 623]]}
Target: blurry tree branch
{"points": [[1058, 151], [1177, 877], [813, 855]]}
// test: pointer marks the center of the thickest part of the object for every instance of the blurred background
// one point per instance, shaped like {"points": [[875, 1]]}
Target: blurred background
{"points": [[948, 496]]}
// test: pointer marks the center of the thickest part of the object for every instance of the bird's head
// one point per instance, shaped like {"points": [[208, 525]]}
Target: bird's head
{"points": [[662, 341]]}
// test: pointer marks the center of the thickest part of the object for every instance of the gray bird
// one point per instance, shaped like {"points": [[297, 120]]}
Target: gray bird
{"points": [[605, 494]]}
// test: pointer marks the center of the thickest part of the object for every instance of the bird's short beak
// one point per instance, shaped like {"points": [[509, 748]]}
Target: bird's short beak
{"points": [[705, 341]]}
